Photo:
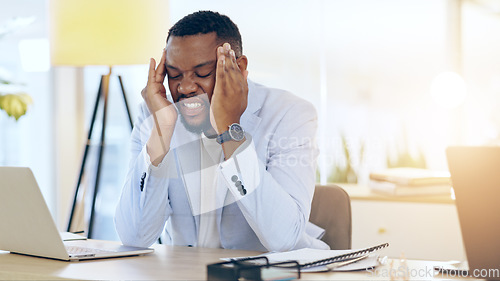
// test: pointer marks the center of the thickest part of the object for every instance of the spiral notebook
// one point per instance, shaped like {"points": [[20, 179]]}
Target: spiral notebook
{"points": [[317, 260]]}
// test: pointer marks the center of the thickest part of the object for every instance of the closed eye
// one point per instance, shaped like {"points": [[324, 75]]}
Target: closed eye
{"points": [[203, 76], [174, 77]]}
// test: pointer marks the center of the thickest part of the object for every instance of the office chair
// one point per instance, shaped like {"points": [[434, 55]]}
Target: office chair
{"points": [[331, 210]]}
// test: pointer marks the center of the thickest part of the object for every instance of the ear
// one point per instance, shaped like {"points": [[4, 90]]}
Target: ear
{"points": [[242, 62]]}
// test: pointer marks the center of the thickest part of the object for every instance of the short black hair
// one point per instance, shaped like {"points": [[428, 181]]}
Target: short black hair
{"points": [[203, 22]]}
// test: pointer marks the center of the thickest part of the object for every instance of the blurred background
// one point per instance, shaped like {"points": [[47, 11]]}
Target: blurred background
{"points": [[394, 83]]}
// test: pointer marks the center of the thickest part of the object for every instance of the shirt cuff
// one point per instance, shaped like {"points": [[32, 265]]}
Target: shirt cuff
{"points": [[244, 145], [241, 170]]}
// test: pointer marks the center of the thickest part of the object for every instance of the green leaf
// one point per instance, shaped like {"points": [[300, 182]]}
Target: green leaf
{"points": [[15, 105]]}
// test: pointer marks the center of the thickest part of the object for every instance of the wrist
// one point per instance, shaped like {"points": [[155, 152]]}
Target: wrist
{"points": [[157, 147], [234, 132], [224, 125]]}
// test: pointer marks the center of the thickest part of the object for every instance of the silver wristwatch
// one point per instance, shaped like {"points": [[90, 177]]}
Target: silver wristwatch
{"points": [[235, 133]]}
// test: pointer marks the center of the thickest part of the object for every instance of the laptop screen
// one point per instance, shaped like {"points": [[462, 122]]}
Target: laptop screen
{"points": [[475, 175]]}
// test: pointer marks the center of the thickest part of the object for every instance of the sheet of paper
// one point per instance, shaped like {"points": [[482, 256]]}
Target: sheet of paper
{"points": [[368, 262], [307, 255]]}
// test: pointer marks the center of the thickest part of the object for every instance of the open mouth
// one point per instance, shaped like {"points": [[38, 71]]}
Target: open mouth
{"points": [[191, 106]]}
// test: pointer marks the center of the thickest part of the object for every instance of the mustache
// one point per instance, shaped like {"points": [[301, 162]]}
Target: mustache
{"points": [[203, 96]]}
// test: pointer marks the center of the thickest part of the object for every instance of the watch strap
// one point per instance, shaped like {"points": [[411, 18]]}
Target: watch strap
{"points": [[223, 137], [235, 133]]}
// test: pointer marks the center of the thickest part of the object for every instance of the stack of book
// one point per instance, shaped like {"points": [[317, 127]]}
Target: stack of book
{"points": [[410, 182]]}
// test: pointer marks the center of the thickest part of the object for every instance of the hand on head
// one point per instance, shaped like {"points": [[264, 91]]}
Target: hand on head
{"points": [[154, 94], [230, 96], [162, 110]]}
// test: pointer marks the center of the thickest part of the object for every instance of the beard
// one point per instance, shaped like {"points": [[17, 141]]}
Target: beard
{"points": [[198, 123], [202, 127]]}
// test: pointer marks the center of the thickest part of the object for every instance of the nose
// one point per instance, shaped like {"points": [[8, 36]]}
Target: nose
{"points": [[187, 86]]}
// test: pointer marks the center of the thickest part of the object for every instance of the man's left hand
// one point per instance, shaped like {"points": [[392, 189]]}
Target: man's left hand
{"points": [[230, 96]]}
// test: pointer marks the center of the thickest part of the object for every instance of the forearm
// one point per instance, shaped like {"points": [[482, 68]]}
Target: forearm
{"points": [[139, 218], [277, 219], [158, 144], [279, 172], [157, 147], [276, 201], [143, 207]]}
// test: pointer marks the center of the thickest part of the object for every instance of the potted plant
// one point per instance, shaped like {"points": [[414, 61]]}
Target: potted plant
{"points": [[15, 104]]}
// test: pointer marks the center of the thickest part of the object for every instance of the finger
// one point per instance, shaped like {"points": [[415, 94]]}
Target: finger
{"points": [[151, 73], [227, 48], [220, 71], [220, 52], [161, 71], [232, 60], [230, 56], [227, 54], [233, 55], [220, 63]]}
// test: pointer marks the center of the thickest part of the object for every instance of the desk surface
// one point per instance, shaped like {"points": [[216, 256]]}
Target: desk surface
{"points": [[174, 263]]}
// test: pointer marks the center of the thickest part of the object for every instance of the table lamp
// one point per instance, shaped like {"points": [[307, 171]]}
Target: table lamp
{"points": [[105, 32]]}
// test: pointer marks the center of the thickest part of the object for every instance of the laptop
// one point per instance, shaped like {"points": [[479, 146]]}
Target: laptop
{"points": [[27, 226], [475, 175]]}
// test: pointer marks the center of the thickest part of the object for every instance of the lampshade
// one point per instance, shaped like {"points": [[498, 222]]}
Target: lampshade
{"points": [[107, 32]]}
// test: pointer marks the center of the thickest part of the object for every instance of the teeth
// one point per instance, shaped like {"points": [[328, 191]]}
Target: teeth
{"points": [[192, 105]]}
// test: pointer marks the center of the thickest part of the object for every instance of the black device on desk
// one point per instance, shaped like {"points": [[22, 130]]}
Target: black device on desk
{"points": [[255, 268]]}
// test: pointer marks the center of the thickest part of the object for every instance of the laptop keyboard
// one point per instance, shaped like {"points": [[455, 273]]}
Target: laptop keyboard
{"points": [[75, 250]]}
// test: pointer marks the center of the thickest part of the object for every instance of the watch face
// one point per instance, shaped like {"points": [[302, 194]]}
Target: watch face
{"points": [[236, 132]]}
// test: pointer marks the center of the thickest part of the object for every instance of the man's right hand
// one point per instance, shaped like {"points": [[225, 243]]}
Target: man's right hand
{"points": [[162, 110]]}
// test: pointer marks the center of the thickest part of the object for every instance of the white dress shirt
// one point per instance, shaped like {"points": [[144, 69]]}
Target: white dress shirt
{"points": [[211, 189]]}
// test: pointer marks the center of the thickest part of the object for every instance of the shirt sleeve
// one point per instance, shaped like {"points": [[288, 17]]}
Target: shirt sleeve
{"points": [[143, 207], [275, 193]]}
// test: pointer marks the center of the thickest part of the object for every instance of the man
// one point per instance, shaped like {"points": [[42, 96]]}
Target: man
{"points": [[231, 164]]}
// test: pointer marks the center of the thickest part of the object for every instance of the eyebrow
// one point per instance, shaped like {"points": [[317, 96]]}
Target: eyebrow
{"points": [[197, 66]]}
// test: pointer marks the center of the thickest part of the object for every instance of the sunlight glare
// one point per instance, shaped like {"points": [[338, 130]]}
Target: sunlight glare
{"points": [[448, 90]]}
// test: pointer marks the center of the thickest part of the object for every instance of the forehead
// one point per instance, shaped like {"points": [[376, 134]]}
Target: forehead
{"points": [[188, 51]]}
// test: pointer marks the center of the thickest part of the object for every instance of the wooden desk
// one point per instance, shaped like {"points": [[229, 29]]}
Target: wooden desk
{"points": [[169, 263]]}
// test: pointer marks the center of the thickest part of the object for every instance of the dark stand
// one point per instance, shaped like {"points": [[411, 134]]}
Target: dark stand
{"points": [[102, 97]]}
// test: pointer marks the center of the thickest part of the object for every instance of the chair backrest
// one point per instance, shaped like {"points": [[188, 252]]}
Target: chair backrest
{"points": [[331, 210]]}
